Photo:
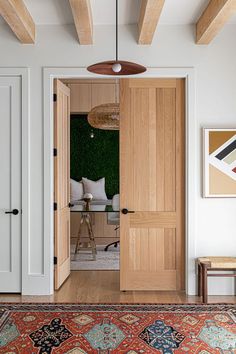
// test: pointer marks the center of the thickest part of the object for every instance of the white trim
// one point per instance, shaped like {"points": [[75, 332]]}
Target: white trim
{"points": [[191, 152], [25, 165]]}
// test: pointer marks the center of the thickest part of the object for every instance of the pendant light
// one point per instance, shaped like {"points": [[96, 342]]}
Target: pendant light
{"points": [[106, 116], [116, 67]]}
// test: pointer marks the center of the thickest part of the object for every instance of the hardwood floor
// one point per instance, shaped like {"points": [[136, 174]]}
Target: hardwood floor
{"points": [[103, 287]]}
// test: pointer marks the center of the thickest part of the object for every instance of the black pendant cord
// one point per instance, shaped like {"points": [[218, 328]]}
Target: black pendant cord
{"points": [[116, 67], [116, 30]]}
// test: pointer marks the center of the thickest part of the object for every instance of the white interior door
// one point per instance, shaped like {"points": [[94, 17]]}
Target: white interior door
{"points": [[10, 186]]}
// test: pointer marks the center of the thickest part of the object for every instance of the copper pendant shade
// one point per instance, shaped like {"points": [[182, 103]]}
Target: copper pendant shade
{"points": [[106, 68], [116, 67]]}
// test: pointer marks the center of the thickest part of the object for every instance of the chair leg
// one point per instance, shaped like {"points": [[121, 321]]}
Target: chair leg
{"points": [[199, 280], [111, 244], [204, 283]]}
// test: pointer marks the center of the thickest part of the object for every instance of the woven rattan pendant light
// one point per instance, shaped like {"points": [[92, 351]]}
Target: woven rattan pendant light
{"points": [[116, 67], [106, 116]]}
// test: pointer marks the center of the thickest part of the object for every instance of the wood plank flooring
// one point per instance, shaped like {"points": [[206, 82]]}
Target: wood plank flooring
{"points": [[103, 287]]}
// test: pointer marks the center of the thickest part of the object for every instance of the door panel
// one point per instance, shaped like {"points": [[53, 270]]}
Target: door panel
{"points": [[62, 182], [152, 184], [103, 93], [62, 229], [10, 186], [80, 98]]}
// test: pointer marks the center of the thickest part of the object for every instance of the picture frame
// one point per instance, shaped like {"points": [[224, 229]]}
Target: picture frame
{"points": [[219, 155]]}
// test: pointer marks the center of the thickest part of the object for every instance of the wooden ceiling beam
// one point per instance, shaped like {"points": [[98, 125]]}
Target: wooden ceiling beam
{"points": [[82, 13], [213, 19], [16, 14], [150, 13]]}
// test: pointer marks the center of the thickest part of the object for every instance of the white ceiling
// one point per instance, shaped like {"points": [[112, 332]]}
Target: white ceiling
{"points": [[175, 12], [58, 11]]}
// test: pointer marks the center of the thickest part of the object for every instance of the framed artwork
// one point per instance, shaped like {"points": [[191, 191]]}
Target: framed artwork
{"points": [[219, 163]]}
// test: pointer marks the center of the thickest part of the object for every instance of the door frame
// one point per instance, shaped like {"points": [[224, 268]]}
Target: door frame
{"points": [[24, 74], [188, 73]]}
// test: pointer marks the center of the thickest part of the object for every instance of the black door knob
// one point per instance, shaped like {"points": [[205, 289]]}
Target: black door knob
{"points": [[14, 212], [126, 211]]}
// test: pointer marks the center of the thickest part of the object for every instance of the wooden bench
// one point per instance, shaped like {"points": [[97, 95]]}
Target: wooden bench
{"points": [[206, 265]]}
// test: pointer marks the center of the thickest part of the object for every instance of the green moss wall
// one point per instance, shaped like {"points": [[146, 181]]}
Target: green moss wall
{"points": [[94, 158]]}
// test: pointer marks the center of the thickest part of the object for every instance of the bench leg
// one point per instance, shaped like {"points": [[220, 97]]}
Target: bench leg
{"points": [[204, 283], [199, 280]]}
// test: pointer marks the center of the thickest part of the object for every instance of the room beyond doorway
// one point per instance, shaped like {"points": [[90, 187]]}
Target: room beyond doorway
{"points": [[94, 154]]}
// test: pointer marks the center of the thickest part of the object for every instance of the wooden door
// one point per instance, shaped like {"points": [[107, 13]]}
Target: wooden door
{"points": [[62, 182], [103, 93], [152, 184], [10, 186], [80, 98]]}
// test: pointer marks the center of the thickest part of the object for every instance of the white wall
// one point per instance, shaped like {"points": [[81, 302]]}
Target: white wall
{"points": [[173, 46]]}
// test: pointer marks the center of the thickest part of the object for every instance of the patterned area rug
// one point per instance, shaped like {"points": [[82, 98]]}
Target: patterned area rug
{"points": [[108, 329]]}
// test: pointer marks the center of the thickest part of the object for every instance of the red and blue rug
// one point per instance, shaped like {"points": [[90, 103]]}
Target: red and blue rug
{"points": [[108, 329]]}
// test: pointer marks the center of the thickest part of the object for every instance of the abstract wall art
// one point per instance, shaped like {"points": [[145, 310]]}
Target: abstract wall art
{"points": [[219, 163]]}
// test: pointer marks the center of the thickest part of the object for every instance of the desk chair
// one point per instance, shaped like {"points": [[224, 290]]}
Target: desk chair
{"points": [[114, 219]]}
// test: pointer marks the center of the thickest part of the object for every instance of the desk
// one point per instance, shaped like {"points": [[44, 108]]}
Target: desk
{"points": [[94, 207]]}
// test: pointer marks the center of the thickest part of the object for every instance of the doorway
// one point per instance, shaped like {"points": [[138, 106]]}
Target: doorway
{"points": [[152, 221]]}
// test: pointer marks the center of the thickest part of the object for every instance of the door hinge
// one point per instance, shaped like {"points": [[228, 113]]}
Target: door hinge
{"points": [[55, 260], [54, 152], [54, 97], [54, 206]]}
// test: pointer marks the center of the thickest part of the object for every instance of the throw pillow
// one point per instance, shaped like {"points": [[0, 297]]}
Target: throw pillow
{"points": [[96, 188], [76, 190]]}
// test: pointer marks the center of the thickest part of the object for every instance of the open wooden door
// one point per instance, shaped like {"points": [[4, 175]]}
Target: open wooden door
{"points": [[61, 182], [152, 182]]}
